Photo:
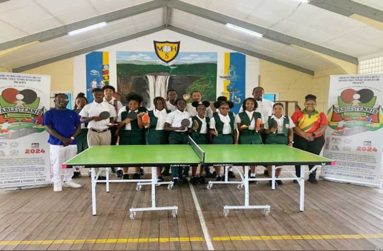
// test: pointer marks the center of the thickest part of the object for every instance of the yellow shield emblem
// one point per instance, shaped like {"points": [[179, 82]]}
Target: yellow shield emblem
{"points": [[166, 51]]}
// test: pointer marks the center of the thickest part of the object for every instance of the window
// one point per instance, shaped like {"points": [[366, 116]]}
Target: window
{"points": [[371, 66]]}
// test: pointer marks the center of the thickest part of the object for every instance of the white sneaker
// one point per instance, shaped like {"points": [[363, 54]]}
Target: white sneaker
{"points": [[71, 184], [57, 187]]}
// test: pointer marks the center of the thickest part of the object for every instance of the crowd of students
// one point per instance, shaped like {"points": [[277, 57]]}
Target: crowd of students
{"points": [[259, 121]]}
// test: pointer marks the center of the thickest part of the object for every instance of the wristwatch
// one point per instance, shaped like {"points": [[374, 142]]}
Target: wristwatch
{"points": [[291, 142], [72, 138]]}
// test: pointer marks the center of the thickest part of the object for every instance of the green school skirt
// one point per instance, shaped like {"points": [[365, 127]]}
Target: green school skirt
{"points": [[199, 138], [223, 139], [250, 139], [156, 137], [128, 137], [277, 139], [82, 142]]}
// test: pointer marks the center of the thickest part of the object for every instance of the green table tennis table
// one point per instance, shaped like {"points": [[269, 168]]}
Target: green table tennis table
{"points": [[193, 154]]}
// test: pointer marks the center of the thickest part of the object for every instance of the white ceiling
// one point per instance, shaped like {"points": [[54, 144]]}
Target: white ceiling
{"points": [[21, 19]]}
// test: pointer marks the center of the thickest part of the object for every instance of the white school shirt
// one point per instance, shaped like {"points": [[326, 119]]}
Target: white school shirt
{"points": [[112, 102], [94, 109], [170, 107], [252, 121], [175, 118], [280, 123], [203, 126], [161, 118], [226, 123]]}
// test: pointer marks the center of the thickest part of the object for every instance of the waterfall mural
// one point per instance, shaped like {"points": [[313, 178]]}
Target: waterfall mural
{"points": [[144, 73]]}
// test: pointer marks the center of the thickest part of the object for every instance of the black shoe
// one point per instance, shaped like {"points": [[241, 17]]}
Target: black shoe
{"points": [[266, 172], [136, 176], [175, 182], [160, 179], [76, 175], [125, 176], [120, 174], [201, 180], [142, 172], [194, 180], [101, 177], [295, 181], [279, 182], [113, 169], [214, 174], [165, 173], [252, 181], [231, 175], [313, 180]]}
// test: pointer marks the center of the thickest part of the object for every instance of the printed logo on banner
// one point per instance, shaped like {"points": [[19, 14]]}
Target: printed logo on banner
{"points": [[20, 114], [356, 111], [166, 51]]}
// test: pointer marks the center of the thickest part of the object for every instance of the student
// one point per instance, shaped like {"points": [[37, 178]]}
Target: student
{"points": [[98, 128], [249, 126], [279, 130], [223, 127], [178, 134], [199, 128], [81, 138], [171, 98], [63, 125], [196, 96], [310, 126], [155, 133], [131, 132]]}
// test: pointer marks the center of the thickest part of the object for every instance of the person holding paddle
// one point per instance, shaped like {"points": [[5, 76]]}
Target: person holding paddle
{"points": [[130, 128], [99, 115], [249, 126], [279, 130], [155, 133], [199, 129], [223, 129], [177, 124]]}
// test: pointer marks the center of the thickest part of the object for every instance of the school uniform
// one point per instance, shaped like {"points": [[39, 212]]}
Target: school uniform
{"points": [[174, 119], [193, 111], [200, 127], [225, 126], [155, 133], [117, 106], [281, 136], [131, 134], [249, 135], [98, 131], [170, 106]]}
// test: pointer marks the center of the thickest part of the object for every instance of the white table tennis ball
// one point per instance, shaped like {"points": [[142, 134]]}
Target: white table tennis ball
{"points": [[19, 96], [356, 96]]}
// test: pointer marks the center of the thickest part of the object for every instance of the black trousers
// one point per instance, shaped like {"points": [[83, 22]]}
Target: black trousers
{"points": [[314, 146]]}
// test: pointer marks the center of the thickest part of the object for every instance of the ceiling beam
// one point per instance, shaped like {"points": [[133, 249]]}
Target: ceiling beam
{"points": [[267, 33], [167, 18], [88, 49], [239, 49], [63, 30], [348, 7]]}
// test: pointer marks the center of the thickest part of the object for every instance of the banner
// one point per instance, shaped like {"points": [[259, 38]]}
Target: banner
{"points": [[97, 72], [235, 79], [354, 134], [24, 150]]}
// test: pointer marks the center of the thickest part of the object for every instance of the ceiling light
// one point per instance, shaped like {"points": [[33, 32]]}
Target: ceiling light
{"points": [[89, 28], [249, 32], [302, 1]]}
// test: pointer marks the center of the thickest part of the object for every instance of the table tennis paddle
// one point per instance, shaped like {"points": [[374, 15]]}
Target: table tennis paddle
{"points": [[104, 115], [131, 115], [145, 118], [274, 124], [185, 122]]}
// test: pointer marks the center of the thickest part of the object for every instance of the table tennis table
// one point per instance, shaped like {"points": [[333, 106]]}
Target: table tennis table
{"points": [[193, 154]]}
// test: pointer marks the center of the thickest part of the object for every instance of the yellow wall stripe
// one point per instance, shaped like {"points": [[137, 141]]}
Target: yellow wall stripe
{"points": [[226, 72], [105, 57], [193, 239]]}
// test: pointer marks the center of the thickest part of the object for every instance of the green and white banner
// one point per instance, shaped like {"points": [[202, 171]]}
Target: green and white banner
{"points": [[354, 133], [24, 151]]}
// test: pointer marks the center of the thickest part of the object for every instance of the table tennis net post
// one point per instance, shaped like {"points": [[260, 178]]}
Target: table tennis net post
{"points": [[197, 149]]}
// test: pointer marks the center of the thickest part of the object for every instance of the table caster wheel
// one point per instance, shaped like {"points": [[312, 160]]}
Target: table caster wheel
{"points": [[209, 186], [138, 188], [240, 186], [174, 213], [225, 212], [170, 186], [266, 212], [132, 215]]}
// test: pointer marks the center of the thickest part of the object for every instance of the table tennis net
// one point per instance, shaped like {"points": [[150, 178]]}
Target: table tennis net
{"points": [[197, 149]]}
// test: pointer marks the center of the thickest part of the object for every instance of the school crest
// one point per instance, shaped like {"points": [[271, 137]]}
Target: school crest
{"points": [[166, 51]]}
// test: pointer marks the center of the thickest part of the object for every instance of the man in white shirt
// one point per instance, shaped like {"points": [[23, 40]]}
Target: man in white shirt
{"points": [[171, 100], [98, 128]]}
